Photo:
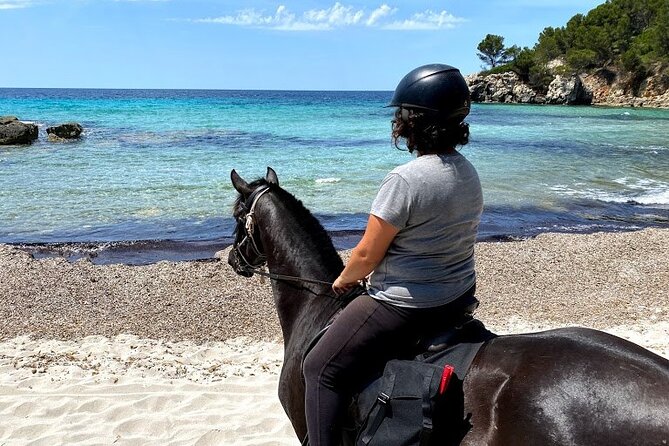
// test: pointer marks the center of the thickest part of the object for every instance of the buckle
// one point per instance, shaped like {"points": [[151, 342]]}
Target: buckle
{"points": [[383, 398]]}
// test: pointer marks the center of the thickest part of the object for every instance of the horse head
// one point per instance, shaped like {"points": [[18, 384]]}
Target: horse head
{"points": [[248, 252], [275, 228]]}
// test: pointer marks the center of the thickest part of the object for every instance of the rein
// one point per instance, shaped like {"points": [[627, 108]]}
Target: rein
{"points": [[261, 272], [345, 298]]}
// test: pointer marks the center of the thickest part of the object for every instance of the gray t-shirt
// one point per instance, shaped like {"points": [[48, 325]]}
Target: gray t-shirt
{"points": [[436, 202]]}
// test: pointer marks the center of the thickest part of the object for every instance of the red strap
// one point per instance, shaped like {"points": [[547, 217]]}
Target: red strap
{"points": [[445, 378]]}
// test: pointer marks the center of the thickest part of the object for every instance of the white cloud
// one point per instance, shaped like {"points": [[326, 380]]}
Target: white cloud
{"points": [[336, 16], [14, 4], [379, 13], [427, 20]]}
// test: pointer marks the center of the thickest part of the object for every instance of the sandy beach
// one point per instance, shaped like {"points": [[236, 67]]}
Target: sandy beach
{"points": [[188, 353]]}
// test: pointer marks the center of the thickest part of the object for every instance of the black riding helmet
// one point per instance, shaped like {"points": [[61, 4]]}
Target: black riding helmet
{"points": [[435, 87]]}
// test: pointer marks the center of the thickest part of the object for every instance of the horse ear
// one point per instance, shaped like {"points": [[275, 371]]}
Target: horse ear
{"points": [[271, 176], [239, 184]]}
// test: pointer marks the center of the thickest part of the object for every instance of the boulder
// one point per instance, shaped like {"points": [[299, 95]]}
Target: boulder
{"points": [[568, 90], [13, 131], [69, 130]]}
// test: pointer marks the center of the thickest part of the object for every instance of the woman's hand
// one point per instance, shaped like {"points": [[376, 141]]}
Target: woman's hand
{"points": [[367, 254], [340, 286]]}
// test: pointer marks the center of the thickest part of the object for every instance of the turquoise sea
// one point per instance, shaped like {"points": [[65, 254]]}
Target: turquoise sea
{"points": [[150, 178]]}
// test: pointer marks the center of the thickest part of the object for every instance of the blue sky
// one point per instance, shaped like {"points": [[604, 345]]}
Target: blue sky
{"points": [[234, 44]]}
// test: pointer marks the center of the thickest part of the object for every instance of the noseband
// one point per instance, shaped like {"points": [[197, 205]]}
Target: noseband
{"points": [[249, 225]]}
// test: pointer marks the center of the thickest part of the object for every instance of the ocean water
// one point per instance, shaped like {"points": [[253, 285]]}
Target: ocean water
{"points": [[150, 178]]}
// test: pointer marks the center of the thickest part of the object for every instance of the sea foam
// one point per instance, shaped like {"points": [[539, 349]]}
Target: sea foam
{"points": [[329, 180]]}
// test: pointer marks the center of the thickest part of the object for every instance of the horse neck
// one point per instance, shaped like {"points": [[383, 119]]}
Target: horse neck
{"points": [[303, 308]]}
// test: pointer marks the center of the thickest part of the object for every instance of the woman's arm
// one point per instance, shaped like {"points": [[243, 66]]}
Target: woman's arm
{"points": [[378, 236]]}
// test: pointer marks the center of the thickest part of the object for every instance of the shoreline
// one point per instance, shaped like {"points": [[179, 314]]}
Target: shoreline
{"points": [[148, 252], [631, 102]]}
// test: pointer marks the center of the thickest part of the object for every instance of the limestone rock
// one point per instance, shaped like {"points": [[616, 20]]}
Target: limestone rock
{"points": [[568, 90], [70, 130], [609, 87], [504, 87], [604, 86], [7, 119], [13, 131]]}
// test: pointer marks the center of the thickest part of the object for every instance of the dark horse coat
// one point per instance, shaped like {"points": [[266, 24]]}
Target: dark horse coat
{"points": [[572, 386]]}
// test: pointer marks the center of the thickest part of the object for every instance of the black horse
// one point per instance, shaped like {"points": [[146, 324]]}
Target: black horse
{"points": [[571, 386]]}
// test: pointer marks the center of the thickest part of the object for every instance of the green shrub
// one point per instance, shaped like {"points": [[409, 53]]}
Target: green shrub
{"points": [[581, 59]]}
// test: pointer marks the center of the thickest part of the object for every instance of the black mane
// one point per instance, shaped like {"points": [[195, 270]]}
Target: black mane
{"points": [[304, 217]]}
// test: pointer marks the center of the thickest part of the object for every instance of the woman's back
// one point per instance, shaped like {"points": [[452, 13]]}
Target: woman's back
{"points": [[436, 201]]}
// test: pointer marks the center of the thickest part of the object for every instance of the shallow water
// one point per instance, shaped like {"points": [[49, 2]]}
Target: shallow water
{"points": [[154, 165]]}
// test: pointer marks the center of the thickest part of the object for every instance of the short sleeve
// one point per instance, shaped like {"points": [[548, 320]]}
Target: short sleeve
{"points": [[393, 201]]}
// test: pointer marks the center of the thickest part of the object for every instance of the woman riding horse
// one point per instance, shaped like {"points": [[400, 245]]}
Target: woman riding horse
{"points": [[570, 386], [418, 247]]}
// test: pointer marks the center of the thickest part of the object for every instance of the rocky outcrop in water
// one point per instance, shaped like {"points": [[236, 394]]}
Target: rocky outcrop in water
{"points": [[70, 130], [13, 131]]}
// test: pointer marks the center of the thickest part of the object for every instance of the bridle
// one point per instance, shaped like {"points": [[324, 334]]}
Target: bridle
{"points": [[247, 223]]}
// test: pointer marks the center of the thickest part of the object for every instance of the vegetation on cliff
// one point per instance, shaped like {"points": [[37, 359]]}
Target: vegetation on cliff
{"points": [[627, 37]]}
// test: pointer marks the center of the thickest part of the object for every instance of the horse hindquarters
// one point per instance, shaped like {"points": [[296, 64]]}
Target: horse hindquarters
{"points": [[567, 387]]}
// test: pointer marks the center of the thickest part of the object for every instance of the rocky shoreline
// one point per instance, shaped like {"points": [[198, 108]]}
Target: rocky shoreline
{"points": [[603, 88]]}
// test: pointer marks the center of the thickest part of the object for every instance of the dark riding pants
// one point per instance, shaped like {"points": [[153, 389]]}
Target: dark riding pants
{"points": [[365, 335]]}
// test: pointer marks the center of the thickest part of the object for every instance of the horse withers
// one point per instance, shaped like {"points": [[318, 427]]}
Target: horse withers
{"points": [[570, 386]]}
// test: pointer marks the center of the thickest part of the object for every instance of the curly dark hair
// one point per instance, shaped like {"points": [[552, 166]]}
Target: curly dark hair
{"points": [[428, 132]]}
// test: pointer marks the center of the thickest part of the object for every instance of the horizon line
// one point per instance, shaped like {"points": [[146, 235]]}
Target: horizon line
{"points": [[192, 89]]}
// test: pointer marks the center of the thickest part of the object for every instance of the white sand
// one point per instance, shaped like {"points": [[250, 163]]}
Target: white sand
{"points": [[132, 391]]}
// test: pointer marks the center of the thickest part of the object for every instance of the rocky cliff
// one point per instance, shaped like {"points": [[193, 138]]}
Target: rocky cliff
{"points": [[601, 87]]}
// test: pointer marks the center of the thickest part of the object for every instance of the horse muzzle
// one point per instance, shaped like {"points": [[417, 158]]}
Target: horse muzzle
{"points": [[233, 261]]}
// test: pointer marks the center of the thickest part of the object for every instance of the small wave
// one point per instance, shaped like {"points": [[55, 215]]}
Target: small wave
{"points": [[639, 183], [329, 180], [661, 197], [636, 191]]}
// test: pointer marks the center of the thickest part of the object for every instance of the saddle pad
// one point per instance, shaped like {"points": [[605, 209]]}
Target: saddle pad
{"points": [[466, 345], [459, 357]]}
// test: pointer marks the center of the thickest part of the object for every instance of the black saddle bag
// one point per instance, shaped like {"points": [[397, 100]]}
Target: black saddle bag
{"points": [[398, 409], [420, 400]]}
